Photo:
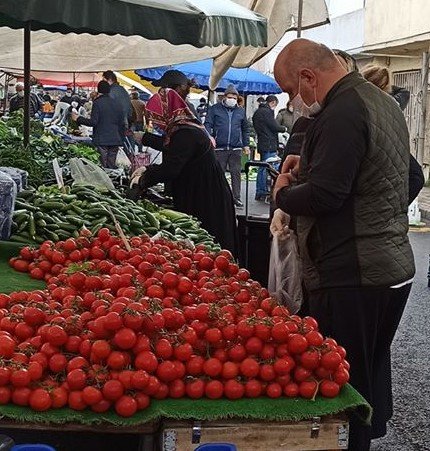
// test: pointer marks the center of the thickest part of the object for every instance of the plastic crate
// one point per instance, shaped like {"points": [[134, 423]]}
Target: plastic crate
{"points": [[216, 447], [29, 447]]}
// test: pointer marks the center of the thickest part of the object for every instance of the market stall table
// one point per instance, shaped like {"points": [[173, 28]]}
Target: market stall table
{"points": [[183, 423]]}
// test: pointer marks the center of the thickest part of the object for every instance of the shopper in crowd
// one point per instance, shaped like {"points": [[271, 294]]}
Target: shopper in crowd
{"points": [[138, 118], [380, 77], [349, 189], [346, 60], [267, 130], [261, 100], [285, 117], [241, 101], [199, 187], [67, 98], [107, 120], [226, 122], [202, 109], [178, 81], [120, 95], [17, 101]]}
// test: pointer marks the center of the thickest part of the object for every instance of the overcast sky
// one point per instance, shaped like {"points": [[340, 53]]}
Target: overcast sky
{"points": [[339, 7]]}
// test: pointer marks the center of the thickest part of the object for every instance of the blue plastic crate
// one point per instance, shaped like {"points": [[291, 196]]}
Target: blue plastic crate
{"points": [[216, 447], [29, 447]]}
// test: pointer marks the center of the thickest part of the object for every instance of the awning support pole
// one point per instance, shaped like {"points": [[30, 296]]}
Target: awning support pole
{"points": [[300, 19], [423, 115], [27, 45]]}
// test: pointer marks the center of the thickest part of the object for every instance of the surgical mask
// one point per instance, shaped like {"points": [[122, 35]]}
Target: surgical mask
{"points": [[68, 94], [230, 103], [20, 93], [75, 104], [300, 108]]}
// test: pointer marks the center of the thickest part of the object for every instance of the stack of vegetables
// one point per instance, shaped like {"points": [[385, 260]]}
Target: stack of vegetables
{"points": [[37, 158], [49, 214], [117, 328]]}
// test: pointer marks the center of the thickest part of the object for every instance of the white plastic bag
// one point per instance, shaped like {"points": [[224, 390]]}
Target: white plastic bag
{"points": [[285, 274], [122, 161], [84, 172]]}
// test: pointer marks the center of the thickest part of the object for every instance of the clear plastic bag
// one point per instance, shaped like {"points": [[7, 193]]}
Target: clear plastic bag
{"points": [[85, 172], [7, 203], [122, 160], [285, 272], [15, 175]]}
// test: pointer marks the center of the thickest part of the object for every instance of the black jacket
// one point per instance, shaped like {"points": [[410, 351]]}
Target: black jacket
{"points": [[107, 120], [17, 103], [352, 196], [267, 129]]}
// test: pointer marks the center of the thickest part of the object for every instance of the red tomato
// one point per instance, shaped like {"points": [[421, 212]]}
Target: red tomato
{"points": [[214, 390], [76, 379], [331, 360], [91, 395], [113, 390], [59, 397], [274, 390], [297, 344], [195, 389], [329, 389], [125, 338], [253, 388], [212, 367], [20, 378], [146, 360], [7, 346], [40, 400], [76, 401], [234, 389], [249, 368], [308, 389]]}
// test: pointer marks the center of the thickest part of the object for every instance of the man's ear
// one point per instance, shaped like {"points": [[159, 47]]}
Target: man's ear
{"points": [[309, 77]]}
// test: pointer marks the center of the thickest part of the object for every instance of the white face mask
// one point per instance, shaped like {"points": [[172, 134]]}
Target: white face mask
{"points": [[230, 103], [20, 93], [75, 104], [300, 108]]}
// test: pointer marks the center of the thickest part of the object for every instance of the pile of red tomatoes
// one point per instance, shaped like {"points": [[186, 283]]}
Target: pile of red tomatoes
{"points": [[117, 328]]}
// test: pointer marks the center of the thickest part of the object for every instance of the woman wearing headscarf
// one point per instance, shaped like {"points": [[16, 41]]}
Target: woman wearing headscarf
{"points": [[199, 187]]}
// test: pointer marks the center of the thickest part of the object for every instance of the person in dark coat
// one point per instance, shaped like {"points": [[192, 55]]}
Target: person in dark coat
{"points": [[349, 190], [199, 187], [267, 129], [107, 120], [120, 95], [17, 101], [67, 98]]}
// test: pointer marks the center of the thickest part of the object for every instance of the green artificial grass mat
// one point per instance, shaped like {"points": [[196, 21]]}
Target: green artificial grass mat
{"points": [[281, 409], [11, 280]]}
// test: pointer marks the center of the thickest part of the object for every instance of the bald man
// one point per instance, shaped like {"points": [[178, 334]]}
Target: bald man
{"points": [[349, 192]]}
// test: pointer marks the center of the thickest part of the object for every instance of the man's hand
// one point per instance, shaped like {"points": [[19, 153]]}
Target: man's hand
{"points": [[282, 181], [279, 224], [74, 116], [291, 164], [246, 150]]}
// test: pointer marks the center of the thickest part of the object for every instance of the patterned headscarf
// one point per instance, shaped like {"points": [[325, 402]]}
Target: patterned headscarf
{"points": [[169, 111]]}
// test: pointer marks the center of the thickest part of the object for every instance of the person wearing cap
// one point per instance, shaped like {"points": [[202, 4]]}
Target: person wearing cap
{"points": [[107, 120], [267, 130], [261, 100], [226, 122], [177, 80]]}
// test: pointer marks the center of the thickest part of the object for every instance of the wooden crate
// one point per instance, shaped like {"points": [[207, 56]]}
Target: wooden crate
{"points": [[323, 434]]}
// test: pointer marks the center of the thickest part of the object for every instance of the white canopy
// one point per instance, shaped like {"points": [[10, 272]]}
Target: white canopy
{"points": [[55, 52]]}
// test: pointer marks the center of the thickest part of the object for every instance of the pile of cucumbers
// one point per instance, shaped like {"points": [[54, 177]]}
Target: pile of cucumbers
{"points": [[51, 214]]}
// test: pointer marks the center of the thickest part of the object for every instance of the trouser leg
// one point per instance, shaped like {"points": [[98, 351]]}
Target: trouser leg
{"points": [[357, 319], [235, 167]]}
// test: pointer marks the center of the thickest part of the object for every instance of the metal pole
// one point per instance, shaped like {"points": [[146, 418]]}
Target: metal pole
{"points": [[27, 43], [299, 19], [424, 89]]}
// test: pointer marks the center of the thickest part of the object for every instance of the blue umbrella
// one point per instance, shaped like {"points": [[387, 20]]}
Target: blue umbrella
{"points": [[246, 81]]}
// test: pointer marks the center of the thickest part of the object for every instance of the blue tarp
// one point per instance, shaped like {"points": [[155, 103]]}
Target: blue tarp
{"points": [[246, 81]]}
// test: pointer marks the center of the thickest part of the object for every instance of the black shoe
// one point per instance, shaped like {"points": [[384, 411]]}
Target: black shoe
{"points": [[261, 197], [238, 203]]}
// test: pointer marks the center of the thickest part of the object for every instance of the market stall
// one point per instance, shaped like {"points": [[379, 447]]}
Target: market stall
{"points": [[308, 424]]}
